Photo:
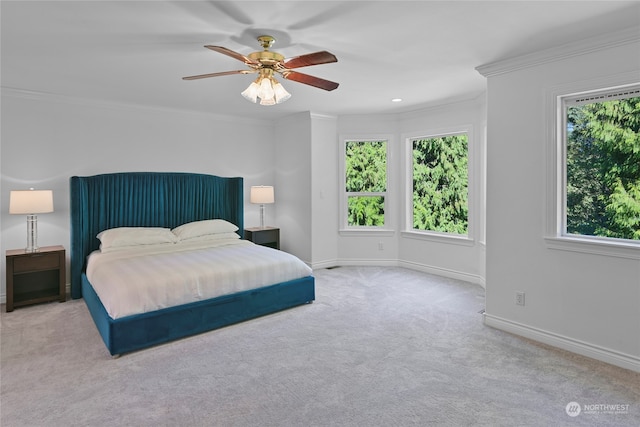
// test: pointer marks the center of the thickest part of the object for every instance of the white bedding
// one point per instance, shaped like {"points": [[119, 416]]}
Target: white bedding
{"points": [[151, 277]]}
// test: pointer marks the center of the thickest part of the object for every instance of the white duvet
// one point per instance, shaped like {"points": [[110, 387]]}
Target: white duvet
{"points": [[143, 279]]}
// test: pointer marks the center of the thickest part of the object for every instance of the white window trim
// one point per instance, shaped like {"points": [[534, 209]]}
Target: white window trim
{"points": [[439, 237], [430, 235], [555, 224], [345, 230]]}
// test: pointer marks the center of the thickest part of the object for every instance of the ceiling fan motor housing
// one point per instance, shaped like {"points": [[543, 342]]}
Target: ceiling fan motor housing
{"points": [[266, 57]]}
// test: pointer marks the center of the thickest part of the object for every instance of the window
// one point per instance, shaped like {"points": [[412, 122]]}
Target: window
{"points": [[601, 164], [440, 183], [365, 181]]}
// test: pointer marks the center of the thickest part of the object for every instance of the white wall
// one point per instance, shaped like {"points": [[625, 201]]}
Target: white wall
{"points": [[45, 140], [324, 191], [306, 189], [584, 302], [293, 184]]}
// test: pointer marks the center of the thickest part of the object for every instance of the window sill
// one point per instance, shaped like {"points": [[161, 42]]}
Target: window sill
{"points": [[366, 232], [455, 239], [614, 248]]}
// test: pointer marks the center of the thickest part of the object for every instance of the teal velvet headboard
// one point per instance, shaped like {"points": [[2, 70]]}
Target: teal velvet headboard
{"points": [[145, 199]]}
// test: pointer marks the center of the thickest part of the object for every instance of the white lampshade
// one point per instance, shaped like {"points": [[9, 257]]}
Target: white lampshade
{"points": [[30, 201], [262, 194]]}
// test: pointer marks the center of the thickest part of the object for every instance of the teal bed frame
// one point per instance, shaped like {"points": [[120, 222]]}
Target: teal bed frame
{"points": [[165, 199]]}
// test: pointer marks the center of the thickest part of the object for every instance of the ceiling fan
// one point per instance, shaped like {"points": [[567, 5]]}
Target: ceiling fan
{"points": [[267, 63]]}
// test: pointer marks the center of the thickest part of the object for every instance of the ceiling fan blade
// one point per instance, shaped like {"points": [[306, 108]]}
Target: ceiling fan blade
{"points": [[316, 58], [224, 73], [231, 53], [309, 80]]}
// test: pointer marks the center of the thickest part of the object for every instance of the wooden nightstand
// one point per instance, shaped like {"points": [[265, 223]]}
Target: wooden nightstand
{"points": [[267, 236], [35, 277]]}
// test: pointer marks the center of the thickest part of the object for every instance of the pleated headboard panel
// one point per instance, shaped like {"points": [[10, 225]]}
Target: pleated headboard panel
{"points": [[145, 199]]}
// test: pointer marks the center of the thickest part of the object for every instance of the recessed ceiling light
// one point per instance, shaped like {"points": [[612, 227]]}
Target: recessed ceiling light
{"points": [[396, 100]]}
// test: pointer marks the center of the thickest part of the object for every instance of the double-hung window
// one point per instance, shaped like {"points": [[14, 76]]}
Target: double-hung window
{"points": [[365, 183]]}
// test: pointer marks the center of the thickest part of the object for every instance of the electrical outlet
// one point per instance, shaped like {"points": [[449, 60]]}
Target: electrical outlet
{"points": [[519, 298], [380, 246]]}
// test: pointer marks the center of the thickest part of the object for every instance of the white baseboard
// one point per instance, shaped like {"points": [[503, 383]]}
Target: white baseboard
{"points": [[368, 262], [444, 272], [438, 271], [570, 344], [318, 265]]}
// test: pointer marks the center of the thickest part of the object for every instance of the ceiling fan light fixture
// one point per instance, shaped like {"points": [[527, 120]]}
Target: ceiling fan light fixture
{"points": [[251, 93], [266, 89], [280, 92]]}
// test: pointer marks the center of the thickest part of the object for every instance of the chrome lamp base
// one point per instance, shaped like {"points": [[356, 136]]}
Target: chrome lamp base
{"points": [[32, 233]]}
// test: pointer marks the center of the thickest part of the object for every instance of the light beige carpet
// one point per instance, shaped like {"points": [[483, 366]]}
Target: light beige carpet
{"points": [[379, 347]]}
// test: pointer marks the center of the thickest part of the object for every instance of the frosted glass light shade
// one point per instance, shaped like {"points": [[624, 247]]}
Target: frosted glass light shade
{"points": [[281, 93], [251, 93], [266, 90], [268, 101]]}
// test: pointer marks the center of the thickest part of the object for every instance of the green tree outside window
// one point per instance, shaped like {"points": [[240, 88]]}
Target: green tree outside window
{"points": [[440, 184], [603, 169], [366, 182]]}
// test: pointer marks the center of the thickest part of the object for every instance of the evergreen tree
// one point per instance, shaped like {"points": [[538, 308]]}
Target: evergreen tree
{"points": [[440, 182], [603, 169], [366, 172]]}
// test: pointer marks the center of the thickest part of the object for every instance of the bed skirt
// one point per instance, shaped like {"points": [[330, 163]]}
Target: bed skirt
{"points": [[136, 332]]}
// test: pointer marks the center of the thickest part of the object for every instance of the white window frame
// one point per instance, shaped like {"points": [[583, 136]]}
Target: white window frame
{"points": [[345, 229], [556, 236], [438, 236]]}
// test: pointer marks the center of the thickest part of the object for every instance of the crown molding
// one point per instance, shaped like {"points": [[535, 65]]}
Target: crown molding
{"points": [[100, 103], [564, 51]]}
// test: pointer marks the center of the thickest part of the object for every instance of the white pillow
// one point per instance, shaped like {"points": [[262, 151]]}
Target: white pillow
{"points": [[217, 236], [120, 237], [202, 228]]}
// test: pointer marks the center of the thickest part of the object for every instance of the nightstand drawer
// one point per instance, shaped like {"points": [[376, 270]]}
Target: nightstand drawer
{"points": [[36, 261], [265, 236]]}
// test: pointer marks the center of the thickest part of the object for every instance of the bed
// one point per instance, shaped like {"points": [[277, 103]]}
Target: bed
{"points": [[171, 201]]}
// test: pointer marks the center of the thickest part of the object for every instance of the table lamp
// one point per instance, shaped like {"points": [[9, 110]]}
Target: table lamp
{"points": [[262, 194], [31, 202]]}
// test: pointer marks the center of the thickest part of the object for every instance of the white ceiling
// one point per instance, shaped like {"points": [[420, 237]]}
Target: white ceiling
{"points": [[424, 52]]}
